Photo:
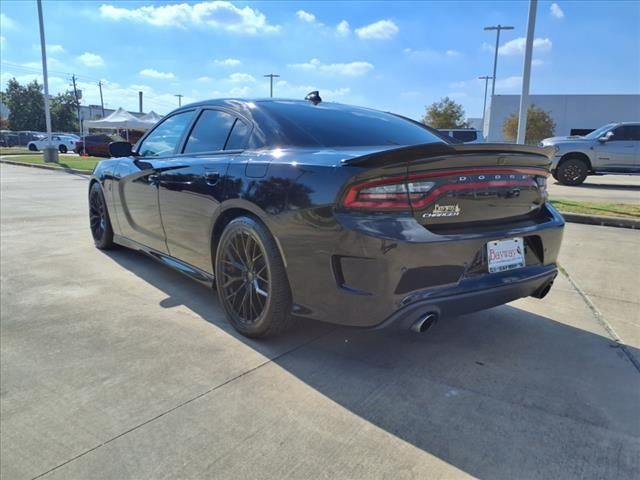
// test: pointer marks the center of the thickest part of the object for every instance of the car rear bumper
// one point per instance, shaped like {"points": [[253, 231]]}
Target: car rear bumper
{"points": [[376, 272]]}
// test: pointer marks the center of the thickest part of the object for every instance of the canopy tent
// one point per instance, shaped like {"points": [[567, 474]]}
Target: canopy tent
{"points": [[119, 119], [152, 118]]}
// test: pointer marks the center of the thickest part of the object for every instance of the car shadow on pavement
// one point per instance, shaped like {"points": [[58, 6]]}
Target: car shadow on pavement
{"points": [[603, 186], [503, 393]]}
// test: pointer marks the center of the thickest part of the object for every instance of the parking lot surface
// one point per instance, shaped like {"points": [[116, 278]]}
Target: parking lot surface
{"points": [[113, 367], [603, 189]]}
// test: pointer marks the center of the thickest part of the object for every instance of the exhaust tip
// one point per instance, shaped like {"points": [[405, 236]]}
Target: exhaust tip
{"points": [[542, 291], [424, 322]]}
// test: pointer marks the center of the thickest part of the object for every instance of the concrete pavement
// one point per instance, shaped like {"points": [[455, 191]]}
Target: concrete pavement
{"points": [[112, 366], [602, 189]]}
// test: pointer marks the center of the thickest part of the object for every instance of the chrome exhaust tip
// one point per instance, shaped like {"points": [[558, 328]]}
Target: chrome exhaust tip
{"points": [[424, 322]]}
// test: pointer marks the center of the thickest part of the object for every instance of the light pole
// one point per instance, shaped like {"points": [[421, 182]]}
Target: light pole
{"points": [[271, 77], [526, 74], [498, 29], [486, 79], [179, 95], [50, 153]]}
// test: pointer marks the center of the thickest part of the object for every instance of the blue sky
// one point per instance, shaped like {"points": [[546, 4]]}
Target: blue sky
{"points": [[397, 56]]}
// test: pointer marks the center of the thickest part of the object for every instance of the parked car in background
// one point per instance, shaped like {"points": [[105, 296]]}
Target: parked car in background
{"points": [[61, 142], [8, 138], [96, 145], [462, 135], [331, 212], [611, 149]]}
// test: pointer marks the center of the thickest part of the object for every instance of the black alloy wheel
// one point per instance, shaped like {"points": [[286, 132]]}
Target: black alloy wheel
{"points": [[252, 282], [572, 171], [99, 218], [32, 147], [62, 148]]}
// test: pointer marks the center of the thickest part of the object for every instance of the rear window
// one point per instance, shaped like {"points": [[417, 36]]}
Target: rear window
{"points": [[337, 126], [465, 135]]}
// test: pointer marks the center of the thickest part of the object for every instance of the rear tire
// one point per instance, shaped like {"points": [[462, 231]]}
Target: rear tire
{"points": [[251, 280], [99, 221], [62, 148], [33, 148], [572, 171]]}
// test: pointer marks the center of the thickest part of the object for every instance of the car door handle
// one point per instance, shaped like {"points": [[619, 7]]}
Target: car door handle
{"points": [[211, 177]]}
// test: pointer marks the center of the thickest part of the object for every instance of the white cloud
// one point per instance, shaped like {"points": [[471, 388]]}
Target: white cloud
{"points": [[380, 30], [54, 49], [3, 42], [203, 79], [8, 23], [241, 78], [352, 69], [239, 91], [429, 55], [452, 53], [151, 73], [556, 11], [306, 16], [89, 59], [52, 64], [517, 45], [227, 62], [222, 15], [486, 47], [342, 29], [536, 62], [509, 84]]}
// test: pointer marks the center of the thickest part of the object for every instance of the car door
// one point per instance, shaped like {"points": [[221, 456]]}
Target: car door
{"points": [[618, 152], [191, 192], [139, 212]]}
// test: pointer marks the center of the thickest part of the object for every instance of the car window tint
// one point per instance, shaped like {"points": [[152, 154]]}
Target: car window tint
{"points": [[626, 132], [465, 135], [239, 136], [304, 124], [164, 139], [210, 132]]}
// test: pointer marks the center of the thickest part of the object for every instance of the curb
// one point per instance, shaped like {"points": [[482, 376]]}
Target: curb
{"points": [[47, 167], [604, 221]]}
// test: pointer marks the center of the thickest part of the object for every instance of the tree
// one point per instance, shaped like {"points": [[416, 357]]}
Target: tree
{"points": [[445, 114], [25, 104], [64, 113], [540, 125]]}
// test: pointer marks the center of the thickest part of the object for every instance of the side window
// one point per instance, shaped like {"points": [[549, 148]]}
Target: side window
{"points": [[210, 132], [626, 132], [465, 135], [238, 137], [634, 132], [164, 139]]}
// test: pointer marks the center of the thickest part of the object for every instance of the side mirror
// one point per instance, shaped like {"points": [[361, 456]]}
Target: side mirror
{"points": [[120, 149], [606, 137]]}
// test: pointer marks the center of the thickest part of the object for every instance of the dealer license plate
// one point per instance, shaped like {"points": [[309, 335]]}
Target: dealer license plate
{"points": [[503, 255]]}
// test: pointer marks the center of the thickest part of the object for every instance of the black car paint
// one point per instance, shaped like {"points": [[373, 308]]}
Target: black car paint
{"points": [[347, 267]]}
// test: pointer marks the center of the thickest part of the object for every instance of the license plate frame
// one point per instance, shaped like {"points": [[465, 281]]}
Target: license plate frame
{"points": [[504, 255]]}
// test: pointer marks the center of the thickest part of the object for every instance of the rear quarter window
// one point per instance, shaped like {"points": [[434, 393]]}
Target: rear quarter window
{"points": [[465, 135]]}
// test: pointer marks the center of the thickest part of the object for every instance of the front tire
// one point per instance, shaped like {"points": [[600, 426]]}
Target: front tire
{"points": [[62, 148], [572, 171], [33, 148], [99, 221], [251, 279]]}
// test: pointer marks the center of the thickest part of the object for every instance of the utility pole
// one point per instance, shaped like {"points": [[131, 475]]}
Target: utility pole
{"points": [[486, 79], [271, 76], [50, 153], [140, 101], [179, 99], [75, 93], [526, 74], [101, 100], [498, 29]]}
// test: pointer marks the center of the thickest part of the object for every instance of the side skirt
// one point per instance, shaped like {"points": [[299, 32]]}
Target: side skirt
{"points": [[172, 262]]}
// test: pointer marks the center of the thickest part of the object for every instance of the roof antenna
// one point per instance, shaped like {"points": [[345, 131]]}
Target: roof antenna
{"points": [[313, 97]]}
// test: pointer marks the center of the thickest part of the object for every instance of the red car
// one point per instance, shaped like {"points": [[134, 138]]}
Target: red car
{"points": [[96, 145]]}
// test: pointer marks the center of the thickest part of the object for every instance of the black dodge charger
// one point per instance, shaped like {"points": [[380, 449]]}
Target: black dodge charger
{"points": [[332, 212]]}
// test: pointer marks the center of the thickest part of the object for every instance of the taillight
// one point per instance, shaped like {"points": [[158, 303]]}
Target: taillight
{"points": [[542, 187], [386, 194]]}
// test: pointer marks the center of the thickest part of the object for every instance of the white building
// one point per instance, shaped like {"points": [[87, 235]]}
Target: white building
{"points": [[571, 113]]}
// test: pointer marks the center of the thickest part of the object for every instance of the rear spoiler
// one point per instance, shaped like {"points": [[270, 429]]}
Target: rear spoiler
{"points": [[435, 150]]}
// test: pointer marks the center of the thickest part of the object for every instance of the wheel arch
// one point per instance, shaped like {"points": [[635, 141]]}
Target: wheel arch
{"points": [[233, 210], [579, 155]]}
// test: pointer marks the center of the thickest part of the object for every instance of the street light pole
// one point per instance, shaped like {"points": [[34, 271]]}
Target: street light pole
{"points": [[50, 153], [179, 99], [271, 77], [498, 29], [486, 79], [526, 74]]}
